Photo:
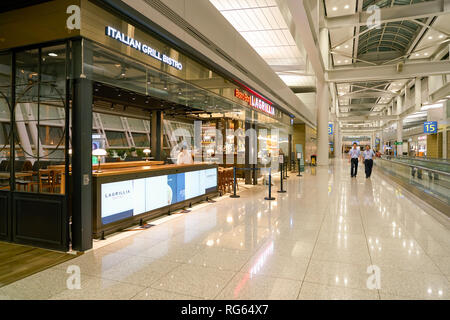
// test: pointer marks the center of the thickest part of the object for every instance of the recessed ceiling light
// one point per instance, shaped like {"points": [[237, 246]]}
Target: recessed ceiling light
{"points": [[417, 54], [338, 47], [339, 61], [430, 37], [441, 36], [334, 8], [346, 46], [426, 53], [346, 6], [52, 54], [346, 61]]}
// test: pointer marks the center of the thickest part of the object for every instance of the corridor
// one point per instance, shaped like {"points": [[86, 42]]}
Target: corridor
{"points": [[316, 241]]}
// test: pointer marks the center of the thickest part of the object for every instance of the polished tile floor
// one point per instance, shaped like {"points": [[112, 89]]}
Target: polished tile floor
{"points": [[329, 237]]}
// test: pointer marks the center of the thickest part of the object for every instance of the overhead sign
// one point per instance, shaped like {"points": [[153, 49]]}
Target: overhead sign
{"points": [[430, 127], [142, 47], [255, 102], [398, 143], [330, 128]]}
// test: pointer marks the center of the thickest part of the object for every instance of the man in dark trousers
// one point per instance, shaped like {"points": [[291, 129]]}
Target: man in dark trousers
{"points": [[354, 154], [368, 155]]}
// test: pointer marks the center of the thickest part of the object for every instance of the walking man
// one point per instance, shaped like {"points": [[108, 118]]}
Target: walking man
{"points": [[354, 154], [368, 155]]}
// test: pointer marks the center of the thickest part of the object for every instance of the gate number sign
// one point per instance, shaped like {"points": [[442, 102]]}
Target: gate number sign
{"points": [[430, 127]]}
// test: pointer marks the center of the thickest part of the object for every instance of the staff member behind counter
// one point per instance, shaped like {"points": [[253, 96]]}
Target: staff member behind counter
{"points": [[184, 157]]}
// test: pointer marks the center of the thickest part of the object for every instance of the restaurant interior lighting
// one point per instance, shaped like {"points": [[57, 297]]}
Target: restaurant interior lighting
{"points": [[99, 153]]}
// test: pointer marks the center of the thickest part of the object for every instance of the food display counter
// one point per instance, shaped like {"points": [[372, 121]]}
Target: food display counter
{"points": [[124, 196]]}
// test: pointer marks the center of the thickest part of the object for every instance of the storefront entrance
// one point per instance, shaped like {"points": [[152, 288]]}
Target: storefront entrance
{"points": [[33, 97]]}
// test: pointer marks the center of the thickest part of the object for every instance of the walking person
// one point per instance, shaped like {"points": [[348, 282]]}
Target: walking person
{"points": [[354, 154], [368, 155]]}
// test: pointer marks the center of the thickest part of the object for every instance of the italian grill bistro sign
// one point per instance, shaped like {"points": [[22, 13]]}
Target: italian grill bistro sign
{"points": [[255, 102], [142, 47]]}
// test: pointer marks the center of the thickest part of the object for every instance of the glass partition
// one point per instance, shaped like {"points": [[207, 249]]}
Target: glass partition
{"points": [[434, 182], [5, 120], [40, 116]]}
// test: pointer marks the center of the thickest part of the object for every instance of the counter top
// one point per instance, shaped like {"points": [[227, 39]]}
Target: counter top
{"points": [[145, 168]]}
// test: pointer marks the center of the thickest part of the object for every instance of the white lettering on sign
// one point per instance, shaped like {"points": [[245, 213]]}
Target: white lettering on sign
{"points": [[255, 102], [142, 47]]}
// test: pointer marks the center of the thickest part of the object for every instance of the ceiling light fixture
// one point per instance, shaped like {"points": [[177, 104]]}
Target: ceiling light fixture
{"points": [[334, 8], [430, 37], [417, 54], [346, 6], [346, 46], [52, 54], [441, 36]]}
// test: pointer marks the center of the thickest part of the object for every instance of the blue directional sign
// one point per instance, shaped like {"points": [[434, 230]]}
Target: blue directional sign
{"points": [[330, 128], [430, 127]]}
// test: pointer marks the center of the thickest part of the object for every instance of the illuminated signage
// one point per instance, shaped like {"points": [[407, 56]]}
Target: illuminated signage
{"points": [[142, 47], [255, 102], [430, 127], [330, 128], [124, 199]]}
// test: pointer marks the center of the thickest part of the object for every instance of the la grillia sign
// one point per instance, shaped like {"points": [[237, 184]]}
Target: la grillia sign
{"points": [[255, 102]]}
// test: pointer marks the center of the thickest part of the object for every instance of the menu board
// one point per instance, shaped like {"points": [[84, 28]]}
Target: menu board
{"points": [[124, 199]]}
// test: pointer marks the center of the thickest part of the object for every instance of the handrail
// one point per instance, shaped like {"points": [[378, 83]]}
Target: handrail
{"points": [[419, 167], [431, 160]]}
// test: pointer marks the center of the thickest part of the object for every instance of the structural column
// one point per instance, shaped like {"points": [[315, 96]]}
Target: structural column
{"points": [[337, 141], [82, 164], [323, 101], [399, 125], [156, 139]]}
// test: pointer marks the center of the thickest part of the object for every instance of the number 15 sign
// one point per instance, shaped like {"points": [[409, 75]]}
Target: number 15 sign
{"points": [[430, 127]]}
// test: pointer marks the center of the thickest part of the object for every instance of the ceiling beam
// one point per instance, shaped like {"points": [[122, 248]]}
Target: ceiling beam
{"points": [[364, 105], [390, 14], [366, 94], [368, 118], [303, 89], [296, 16], [389, 72]]}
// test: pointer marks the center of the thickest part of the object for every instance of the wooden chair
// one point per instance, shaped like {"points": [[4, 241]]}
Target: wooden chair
{"points": [[220, 179], [45, 179]]}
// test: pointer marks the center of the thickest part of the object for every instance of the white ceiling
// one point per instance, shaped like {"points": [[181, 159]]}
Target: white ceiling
{"points": [[261, 23]]}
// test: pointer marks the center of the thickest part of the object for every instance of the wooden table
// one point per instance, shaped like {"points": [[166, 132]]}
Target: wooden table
{"points": [[7, 175]]}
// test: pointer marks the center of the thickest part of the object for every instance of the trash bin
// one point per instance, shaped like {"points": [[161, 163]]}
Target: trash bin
{"points": [[313, 160]]}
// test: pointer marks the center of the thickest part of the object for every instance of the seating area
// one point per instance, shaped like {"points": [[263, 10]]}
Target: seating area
{"points": [[225, 180], [32, 177]]}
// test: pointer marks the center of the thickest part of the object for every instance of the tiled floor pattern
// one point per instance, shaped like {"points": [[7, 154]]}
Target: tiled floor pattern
{"points": [[317, 241]]}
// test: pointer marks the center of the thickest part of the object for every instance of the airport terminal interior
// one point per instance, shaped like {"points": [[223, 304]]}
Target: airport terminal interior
{"points": [[224, 150]]}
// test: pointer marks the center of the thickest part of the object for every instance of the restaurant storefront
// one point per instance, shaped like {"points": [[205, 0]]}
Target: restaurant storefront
{"points": [[106, 84]]}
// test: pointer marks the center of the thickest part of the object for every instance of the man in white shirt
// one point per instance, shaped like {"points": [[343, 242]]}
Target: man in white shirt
{"points": [[184, 157], [368, 155], [354, 154]]}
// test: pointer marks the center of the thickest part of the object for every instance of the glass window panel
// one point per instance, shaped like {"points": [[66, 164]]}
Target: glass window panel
{"points": [[136, 124], [141, 139], [116, 139], [111, 121]]}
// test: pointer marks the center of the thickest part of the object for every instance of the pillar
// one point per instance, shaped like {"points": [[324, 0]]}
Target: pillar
{"points": [[417, 94], [400, 137], [156, 139], [81, 178], [82, 164], [338, 141], [323, 100]]}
